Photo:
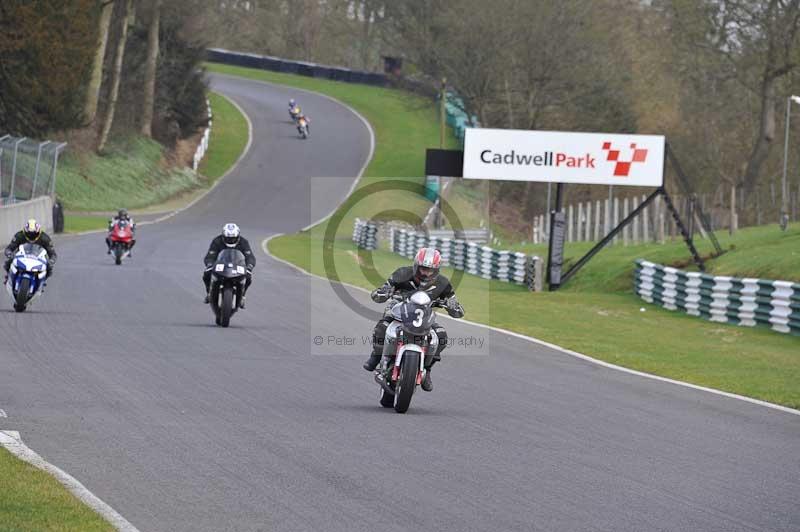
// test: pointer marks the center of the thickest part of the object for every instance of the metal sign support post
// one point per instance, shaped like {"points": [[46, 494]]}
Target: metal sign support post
{"points": [[683, 181], [555, 247]]}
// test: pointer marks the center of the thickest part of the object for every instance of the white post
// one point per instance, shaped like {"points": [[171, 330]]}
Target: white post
{"points": [[645, 223], [597, 221], [570, 226], [636, 221], [579, 222], [625, 230], [587, 235], [616, 217]]}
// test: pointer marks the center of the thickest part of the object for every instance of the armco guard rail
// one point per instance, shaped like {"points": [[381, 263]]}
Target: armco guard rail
{"points": [[747, 302], [302, 68]]}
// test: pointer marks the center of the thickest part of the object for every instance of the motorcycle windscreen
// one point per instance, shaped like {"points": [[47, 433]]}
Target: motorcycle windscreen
{"points": [[32, 250], [230, 263]]}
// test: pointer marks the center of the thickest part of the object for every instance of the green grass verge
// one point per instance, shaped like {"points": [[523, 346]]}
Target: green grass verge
{"points": [[75, 223], [229, 134], [31, 500]]}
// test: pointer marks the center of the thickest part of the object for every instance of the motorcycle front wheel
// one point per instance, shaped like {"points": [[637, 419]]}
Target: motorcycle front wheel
{"points": [[22, 295], [226, 309], [407, 383]]}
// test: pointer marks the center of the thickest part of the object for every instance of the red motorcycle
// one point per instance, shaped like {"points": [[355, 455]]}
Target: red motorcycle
{"points": [[121, 238]]}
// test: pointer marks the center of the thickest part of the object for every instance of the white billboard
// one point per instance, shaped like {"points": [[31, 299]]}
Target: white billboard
{"points": [[561, 157]]}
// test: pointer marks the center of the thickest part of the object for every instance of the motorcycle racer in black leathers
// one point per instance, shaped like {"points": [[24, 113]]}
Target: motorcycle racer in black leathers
{"points": [[31, 234], [230, 238], [423, 275]]}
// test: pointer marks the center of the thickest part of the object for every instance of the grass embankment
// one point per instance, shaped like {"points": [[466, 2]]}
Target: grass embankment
{"points": [[597, 312], [133, 175], [31, 500]]}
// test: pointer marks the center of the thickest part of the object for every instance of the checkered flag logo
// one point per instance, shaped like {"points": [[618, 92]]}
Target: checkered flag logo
{"points": [[622, 167]]}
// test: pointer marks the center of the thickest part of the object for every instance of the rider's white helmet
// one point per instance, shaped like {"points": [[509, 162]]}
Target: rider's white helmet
{"points": [[230, 234]]}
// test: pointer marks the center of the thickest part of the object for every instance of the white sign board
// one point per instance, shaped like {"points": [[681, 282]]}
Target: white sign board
{"points": [[561, 157]]}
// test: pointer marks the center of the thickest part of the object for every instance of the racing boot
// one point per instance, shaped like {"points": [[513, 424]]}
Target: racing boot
{"points": [[207, 300], [241, 303], [372, 362], [427, 383]]}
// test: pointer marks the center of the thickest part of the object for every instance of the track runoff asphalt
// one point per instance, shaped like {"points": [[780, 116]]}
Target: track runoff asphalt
{"points": [[119, 376]]}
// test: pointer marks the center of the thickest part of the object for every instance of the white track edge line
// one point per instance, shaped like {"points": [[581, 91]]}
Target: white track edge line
{"points": [[759, 402], [205, 193], [25, 453]]}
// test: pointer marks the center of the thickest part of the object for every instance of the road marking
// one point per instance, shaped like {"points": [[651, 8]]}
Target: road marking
{"points": [[569, 352], [12, 441], [3, 413]]}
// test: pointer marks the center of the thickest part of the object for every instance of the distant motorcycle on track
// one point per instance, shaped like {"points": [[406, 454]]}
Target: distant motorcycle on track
{"points": [[27, 275], [121, 237], [302, 127]]}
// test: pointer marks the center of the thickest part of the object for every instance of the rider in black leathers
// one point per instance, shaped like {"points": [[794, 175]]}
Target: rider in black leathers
{"points": [[230, 238], [408, 279], [31, 234], [122, 216]]}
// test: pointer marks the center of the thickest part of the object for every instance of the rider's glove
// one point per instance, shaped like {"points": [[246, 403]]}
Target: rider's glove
{"points": [[9, 253], [453, 307], [381, 295], [51, 261]]}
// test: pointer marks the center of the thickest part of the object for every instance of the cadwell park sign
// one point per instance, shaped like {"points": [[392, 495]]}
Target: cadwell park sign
{"points": [[579, 158], [560, 157]]}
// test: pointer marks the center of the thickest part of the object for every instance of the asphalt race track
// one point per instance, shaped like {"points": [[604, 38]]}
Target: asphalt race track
{"points": [[119, 376]]}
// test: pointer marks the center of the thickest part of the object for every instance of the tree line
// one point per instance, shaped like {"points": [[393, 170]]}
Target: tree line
{"points": [[85, 69], [712, 75]]}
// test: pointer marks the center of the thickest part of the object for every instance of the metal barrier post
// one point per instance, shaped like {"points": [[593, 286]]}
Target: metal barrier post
{"points": [[36, 171], [53, 171], [11, 195], [3, 138]]}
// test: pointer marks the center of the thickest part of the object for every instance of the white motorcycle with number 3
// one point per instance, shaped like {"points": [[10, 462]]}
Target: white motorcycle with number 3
{"points": [[410, 340], [27, 275]]}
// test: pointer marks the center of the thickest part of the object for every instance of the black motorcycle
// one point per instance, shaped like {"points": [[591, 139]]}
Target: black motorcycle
{"points": [[227, 284], [409, 343]]}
